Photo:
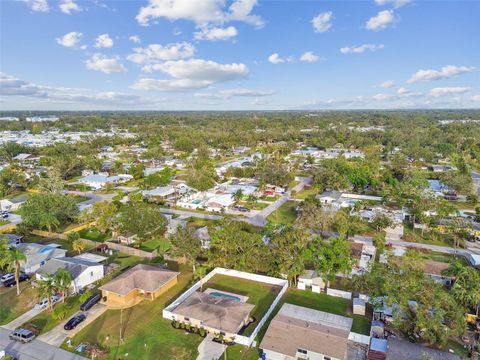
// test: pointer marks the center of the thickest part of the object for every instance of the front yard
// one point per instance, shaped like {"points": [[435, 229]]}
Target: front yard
{"points": [[285, 214], [12, 306], [146, 334], [259, 294]]}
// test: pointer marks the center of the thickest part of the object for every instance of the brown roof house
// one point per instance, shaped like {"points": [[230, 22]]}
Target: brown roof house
{"points": [[215, 313], [297, 332], [140, 282]]}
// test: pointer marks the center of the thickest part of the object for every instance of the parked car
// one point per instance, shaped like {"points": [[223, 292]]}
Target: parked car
{"points": [[44, 303], [241, 208], [7, 276], [22, 335], [92, 300], [74, 321], [12, 282]]}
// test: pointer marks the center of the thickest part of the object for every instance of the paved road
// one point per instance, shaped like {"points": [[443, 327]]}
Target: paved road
{"points": [[57, 335], [93, 197], [186, 213], [22, 319], [35, 350]]}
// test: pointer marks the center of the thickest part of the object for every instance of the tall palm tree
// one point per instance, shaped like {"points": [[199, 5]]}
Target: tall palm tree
{"points": [[15, 256], [47, 287], [78, 245], [63, 281]]}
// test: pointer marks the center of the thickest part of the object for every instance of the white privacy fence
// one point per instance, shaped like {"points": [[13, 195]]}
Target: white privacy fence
{"points": [[239, 339]]}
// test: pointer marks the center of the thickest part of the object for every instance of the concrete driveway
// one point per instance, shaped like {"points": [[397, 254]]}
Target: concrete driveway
{"points": [[35, 350], [209, 350], [57, 335]]}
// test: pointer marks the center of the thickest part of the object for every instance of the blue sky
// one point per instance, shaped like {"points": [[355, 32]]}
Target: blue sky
{"points": [[239, 55]]}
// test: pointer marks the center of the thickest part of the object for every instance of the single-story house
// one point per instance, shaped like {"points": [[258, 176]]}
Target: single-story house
{"points": [[138, 283], [216, 314], [98, 181], [161, 193], [297, 332], [7, 205], [83, 272], [37, 255]]}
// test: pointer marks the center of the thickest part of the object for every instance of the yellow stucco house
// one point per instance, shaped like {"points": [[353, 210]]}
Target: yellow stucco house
{"points": [[139, 283]]}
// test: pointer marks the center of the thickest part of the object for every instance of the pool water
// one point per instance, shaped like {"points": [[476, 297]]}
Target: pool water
{"points": [[227, 296]]}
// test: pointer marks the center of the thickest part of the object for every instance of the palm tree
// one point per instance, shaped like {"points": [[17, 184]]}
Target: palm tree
{"points": [[47, 287], [63, 281], [15, 256], [237, 196], [78, 245]]}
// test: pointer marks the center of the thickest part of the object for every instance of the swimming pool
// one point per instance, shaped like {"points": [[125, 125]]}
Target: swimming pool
{"points": [[227, 296]]}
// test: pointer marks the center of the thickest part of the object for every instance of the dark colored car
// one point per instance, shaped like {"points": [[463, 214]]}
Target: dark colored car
{"points": [[241, 208], [74, 321], [92, 300], [12, 282]]}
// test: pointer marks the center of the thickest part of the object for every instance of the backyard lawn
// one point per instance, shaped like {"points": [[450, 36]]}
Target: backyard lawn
{"points": [[146, 334], [306, 192], [12, 306], [94, 234], [162, 245], [259, 294], [322, 302], [240, 352], [285, 214]]}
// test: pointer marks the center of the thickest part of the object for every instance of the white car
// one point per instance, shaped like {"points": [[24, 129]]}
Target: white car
{"points": [[7, 276], [44, 303]]}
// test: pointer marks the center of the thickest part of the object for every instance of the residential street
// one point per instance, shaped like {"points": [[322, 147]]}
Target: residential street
{"points": [[94, 198], [57, 335], [35, 350], [187, 213]]}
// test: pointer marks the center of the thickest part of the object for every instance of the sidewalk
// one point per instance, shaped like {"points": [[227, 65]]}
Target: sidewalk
{"points": [[22, 319]]}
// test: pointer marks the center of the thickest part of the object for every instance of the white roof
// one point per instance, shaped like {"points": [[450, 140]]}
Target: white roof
{"points": [[91, 257], [474, 259]]}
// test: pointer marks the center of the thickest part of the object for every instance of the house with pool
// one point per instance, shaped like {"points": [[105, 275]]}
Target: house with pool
{"points": [[231, 305]]}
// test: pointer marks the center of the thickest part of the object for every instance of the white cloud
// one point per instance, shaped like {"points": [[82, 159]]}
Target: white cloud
{"points": [[451, 90], [191, 74], [11, 86], [156, 52], [445, 72], [99, 62], [135, 39], [395, 3], [322, 22], [380, 21], [259, 102], [67, 6], [201, 12], [70, 40], [309, 56], [103, 41], [403, 91], [387, 84], [476, 97], [276, 59], [238, 92], [216, 33], [38, 5], [360, 49]]}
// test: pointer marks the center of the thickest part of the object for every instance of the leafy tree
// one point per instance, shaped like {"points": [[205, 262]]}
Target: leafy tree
{"points": [[103, 213], [347, 225], [314, 217], [46, 288], [287, 247], [329, 257], [237, 196], [10, 180], [234, 245], [187, 245], [466, 288], [52, 182], [161, 178], [48, 210], [381, 221], [15, 257], [144, 220], [4, 259], [379, 242], [137, 171], [274, 173], [11, 149]]}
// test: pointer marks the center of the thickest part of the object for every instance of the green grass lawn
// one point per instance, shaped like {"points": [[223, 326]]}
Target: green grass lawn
{"points": [[322, 302], [44, 321], [4, 222], [12, 306], [162, 245], [259, 294], [285, 214], [94, 234], [240, 352], [416, 236], [306, 192], [147, 335]]}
